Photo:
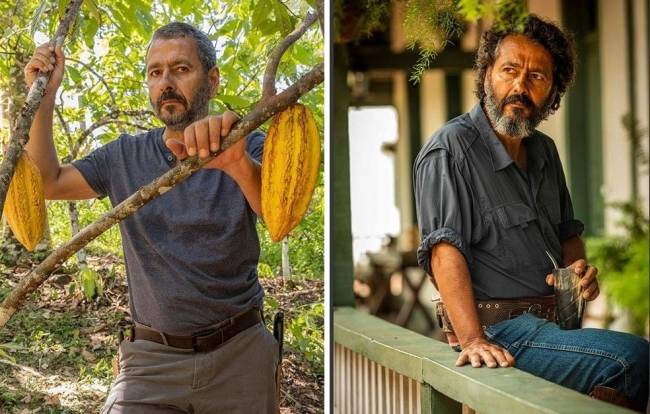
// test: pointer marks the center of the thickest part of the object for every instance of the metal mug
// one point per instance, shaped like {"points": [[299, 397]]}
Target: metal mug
{"points": [[568, 297]]}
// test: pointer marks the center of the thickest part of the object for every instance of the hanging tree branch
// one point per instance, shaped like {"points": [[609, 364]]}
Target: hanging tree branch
{"points": [[268, 106], [99, 77], [268, 82], [111, 118], [20, 132]]}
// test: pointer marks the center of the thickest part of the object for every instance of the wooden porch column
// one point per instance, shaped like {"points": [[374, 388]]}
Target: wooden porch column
{"points": [[341, 270]]}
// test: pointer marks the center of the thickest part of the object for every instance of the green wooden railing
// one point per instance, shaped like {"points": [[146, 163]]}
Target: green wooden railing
{"points": [[442, 387]]}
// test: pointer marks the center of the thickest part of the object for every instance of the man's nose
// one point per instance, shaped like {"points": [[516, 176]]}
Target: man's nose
{"points": [[520, 84], [166, 81]]}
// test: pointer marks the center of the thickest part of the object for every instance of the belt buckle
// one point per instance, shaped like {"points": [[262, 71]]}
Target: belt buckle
{"points": [[535, 309], [203, 334]]}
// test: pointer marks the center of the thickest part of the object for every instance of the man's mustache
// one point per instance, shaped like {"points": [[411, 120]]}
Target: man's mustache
{"points": [[517, 98], [169, 95]]}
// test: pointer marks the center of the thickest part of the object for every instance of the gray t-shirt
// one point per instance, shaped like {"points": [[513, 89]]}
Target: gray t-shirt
{"points": [[191, 254], [471, 194]]}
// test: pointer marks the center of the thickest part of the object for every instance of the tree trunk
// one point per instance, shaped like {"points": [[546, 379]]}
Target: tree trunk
{"points": [[23, 123], [286, 266], [74, 224]]}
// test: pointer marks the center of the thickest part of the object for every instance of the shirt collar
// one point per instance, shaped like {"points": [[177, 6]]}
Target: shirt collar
{"points": [[537, 156], [159, 139], [500, 158]]}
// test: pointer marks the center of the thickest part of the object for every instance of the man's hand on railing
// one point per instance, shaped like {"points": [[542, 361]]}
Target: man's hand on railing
{"points": [[480, 350]]}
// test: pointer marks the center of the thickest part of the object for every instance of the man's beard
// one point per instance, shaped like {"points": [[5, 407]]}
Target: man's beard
{"points": [[178, 120], [517, 124]]}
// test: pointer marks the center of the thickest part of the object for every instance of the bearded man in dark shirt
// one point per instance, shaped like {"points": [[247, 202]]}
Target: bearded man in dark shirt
{"points": [[493, 205]]}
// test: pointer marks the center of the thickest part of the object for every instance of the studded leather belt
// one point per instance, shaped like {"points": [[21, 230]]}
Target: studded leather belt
{"points": [[491, 312]]}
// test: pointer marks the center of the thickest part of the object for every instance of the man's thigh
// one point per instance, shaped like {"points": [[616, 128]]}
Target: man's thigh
{"points": [[579, 359], [240, 378], [153, 378]]}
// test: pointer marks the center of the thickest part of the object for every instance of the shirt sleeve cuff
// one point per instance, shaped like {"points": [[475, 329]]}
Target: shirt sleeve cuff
{"points": [[571, 228], [89, 175], [444, 234]]}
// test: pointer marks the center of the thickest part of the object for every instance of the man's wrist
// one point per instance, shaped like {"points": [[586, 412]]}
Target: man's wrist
{"points": [[48, 101], [241, 169], [471, 339]]}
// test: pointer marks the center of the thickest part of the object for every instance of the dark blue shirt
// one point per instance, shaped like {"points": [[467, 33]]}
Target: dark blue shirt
{"points": [[471, 194], [191, 255]]}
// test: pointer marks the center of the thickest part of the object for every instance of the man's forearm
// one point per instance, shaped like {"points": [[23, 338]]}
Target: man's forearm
{"points": [[247, 175], [455, 287], [41, 145], [573, 249]]}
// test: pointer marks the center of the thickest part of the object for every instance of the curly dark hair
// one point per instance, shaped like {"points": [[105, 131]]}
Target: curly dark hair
{"points": [[558, 43]]}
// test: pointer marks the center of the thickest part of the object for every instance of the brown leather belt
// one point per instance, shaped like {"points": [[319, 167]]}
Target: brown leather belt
{"points": [[491, 312], [203, 341]]}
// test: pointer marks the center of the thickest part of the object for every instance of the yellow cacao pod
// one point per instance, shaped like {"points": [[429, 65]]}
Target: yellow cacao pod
{"points": [[25, 204], [290, 169]]}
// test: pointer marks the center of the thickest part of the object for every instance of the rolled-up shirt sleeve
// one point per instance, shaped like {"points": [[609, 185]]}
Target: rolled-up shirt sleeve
{"points": [[255, 145], [442, 206], [569, 226], [96, 168]]}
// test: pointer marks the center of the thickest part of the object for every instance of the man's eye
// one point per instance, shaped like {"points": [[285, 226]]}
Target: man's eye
{"points": [[509, 70], [154, 73], [182, 69], [536, 76]]}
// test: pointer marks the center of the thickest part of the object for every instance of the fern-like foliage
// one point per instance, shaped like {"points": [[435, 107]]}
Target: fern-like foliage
{"points": [[430, 25]]}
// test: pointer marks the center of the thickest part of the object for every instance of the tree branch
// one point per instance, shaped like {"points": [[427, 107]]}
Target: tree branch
{"points": [[264, 109], [268, 82], [108, 119], [20, 133], [64, 124], [321, 16], [100, 77]]}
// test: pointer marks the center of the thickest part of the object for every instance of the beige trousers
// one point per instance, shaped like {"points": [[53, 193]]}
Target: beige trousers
{"points": [[238, 377]]}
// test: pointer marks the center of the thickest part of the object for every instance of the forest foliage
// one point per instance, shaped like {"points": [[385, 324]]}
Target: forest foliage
{"points": [[104, 95]]}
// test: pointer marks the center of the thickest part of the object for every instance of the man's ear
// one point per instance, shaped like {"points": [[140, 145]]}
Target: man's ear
{"points": [[488, 77], [552, 96], [213, 77]]}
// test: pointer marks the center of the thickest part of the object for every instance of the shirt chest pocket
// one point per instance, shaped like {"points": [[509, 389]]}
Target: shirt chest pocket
{"points": [[515, 214], [515, 226]]}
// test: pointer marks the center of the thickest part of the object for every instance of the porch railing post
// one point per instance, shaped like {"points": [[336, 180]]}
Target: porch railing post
{"points": [[435, 402]]}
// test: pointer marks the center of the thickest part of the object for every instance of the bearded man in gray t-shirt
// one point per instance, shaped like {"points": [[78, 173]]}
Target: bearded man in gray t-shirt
{"points": [[198, 343]]}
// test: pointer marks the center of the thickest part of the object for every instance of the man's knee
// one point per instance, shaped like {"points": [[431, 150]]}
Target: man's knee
{"points": [[633, 358]]}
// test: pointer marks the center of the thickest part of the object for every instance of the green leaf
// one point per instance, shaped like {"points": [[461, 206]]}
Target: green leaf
{"points": [[36, 19], [283, 19], [89, 29], [234, 100], [88, 283], [92, 9], [4, 354], [74, 74]]}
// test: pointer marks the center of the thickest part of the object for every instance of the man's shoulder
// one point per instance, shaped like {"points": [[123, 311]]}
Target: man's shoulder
{"points": [[454, 138]]}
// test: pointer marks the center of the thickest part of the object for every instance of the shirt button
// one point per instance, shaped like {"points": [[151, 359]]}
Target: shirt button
{"points": [[170, 157]]}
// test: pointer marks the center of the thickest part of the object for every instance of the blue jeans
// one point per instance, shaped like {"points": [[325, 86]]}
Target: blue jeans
{"points": [[579, 359]]}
